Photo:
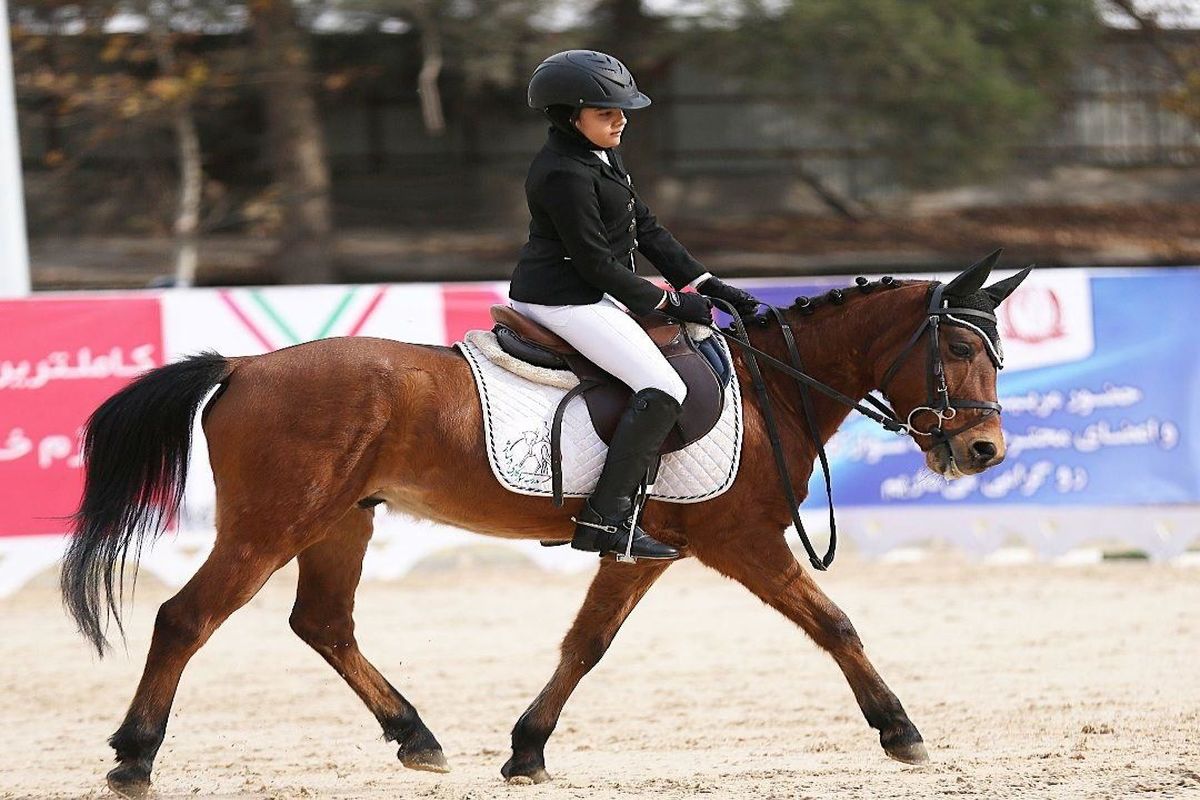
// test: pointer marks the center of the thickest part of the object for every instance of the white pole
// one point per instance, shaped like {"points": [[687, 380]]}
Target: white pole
{"points": [[14, 249]]}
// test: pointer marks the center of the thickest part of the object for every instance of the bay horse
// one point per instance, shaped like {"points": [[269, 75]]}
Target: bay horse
{"points": [[305, 441]]}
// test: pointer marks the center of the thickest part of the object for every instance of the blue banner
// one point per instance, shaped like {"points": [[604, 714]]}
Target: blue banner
{"points": [[1101, 397]]}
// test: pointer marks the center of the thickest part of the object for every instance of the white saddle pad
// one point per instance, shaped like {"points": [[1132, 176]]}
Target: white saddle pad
{"points": [[518, 412]]}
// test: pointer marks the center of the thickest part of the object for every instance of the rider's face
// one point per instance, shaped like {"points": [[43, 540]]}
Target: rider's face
{"points": [[602, 126]]}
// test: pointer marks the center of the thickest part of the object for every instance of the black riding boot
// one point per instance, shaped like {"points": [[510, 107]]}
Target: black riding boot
{"points": [[603, 523]]}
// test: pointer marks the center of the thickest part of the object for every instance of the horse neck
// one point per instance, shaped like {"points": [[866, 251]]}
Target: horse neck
{"points": [[841, 346]]}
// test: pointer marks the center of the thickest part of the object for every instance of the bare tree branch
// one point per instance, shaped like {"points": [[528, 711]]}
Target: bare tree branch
{"points": [[191, 176], [431, 67], [1147, 23]]}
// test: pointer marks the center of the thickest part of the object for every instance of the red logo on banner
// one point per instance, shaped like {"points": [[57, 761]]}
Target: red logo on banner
{"points": [[1033, 315], [59, 360]]}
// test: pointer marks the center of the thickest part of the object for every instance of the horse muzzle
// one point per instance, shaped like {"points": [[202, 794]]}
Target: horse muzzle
{"points": [[969, 453]]}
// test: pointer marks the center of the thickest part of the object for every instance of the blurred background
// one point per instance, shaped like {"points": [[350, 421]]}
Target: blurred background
{"points": [[211, 143], [175, 162], [185, 175]]}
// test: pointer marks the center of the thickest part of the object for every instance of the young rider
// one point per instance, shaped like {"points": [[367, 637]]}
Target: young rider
{"points": [[576, 277]]}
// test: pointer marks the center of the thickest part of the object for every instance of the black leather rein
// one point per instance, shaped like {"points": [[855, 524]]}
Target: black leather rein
{"points": [[938, 401]]}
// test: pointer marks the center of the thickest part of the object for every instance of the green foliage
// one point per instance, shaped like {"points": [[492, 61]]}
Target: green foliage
{"points": [[943, 90]]}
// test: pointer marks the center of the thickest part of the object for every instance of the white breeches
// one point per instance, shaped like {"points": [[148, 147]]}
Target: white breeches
{"points": [[606, 334]]}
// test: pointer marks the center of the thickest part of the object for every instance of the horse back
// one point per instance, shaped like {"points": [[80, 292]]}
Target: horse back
{"points": [[324, 414]]}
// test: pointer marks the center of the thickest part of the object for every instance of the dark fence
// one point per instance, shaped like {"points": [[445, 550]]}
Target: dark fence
{"points": [[389, 170]]}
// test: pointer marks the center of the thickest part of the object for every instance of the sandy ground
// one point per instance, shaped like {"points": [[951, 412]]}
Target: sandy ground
{"points": [[1026, 681]]}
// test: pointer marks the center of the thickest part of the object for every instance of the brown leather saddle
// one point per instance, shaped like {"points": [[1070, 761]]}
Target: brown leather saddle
{"points": [[606, 396]]}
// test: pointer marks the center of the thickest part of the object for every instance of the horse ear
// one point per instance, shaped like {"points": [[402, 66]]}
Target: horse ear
{"points": [[971, 279], [1002, 289]]}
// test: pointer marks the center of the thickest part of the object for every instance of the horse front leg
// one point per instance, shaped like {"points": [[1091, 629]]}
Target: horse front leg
{"points": [[771, 572], [614, 593]]}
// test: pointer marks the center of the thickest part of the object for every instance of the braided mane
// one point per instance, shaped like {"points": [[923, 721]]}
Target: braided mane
{"points": [[807, 305]]}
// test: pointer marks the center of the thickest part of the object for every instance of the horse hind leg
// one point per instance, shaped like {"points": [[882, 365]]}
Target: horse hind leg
{"points": [[228, 579], [323, 618], [615, 591], [768, 569]]}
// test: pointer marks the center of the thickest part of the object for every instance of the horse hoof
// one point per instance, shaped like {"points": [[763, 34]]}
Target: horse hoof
{"points": [[129, 781], [912, 753], [537, 776], [426, 761], [524, 771]]}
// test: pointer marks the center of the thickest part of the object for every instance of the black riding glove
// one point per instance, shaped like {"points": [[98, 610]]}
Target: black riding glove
{"points": [[688, 308], [745, 303]]}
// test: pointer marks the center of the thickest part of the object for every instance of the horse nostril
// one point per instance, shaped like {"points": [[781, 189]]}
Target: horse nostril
{"points": [[983, 451]]}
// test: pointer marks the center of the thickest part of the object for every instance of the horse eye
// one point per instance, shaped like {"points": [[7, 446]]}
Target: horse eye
{"points": [[961, 349]]}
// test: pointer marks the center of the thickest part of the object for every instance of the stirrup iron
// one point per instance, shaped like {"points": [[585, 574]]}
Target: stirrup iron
{"points": [[639, 501]]}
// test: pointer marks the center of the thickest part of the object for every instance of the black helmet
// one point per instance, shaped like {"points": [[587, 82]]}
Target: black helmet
{"points": [[584, 78]]}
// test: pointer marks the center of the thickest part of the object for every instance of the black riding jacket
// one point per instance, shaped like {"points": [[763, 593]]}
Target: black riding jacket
{"points": [[586, 223]]}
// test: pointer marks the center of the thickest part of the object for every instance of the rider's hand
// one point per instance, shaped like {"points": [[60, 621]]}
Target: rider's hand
{"points": [[745, 303], [687, 308]]}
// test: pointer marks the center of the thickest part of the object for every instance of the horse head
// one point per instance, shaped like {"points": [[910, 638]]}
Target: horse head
{"points": [[941, 380]]}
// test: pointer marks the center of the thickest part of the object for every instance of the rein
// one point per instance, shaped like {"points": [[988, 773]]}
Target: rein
{"points": [[938, 402]]}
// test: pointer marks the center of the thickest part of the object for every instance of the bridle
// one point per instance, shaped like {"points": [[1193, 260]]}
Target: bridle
{"points": [[938, 400]]}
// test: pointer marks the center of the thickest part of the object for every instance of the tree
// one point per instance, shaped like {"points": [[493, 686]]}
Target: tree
{"points": [[482, 44], [128, 87], [624, 29], [1181, 60], [181, 85], [97, 91], [283, 66], [941, 91]]}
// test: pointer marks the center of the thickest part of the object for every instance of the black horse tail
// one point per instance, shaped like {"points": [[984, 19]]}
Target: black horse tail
{"points": [[135, 451]]}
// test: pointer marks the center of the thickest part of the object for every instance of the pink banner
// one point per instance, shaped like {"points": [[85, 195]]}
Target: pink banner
{"points": [[59, 360], [468, 307]]}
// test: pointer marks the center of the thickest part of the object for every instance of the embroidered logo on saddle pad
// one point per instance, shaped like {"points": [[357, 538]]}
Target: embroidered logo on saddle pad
{"points": [[518, 410]]}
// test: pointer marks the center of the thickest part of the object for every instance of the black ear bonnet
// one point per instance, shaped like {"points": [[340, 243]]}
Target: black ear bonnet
{"points": [[986, 328]]}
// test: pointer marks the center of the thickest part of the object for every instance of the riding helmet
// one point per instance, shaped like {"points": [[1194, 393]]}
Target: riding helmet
{"points": [[578, 78]]}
